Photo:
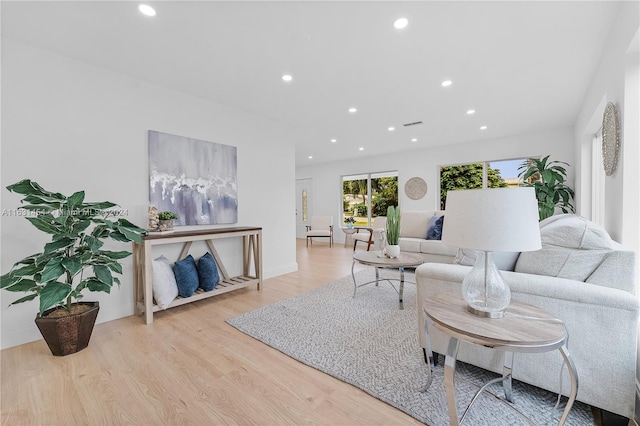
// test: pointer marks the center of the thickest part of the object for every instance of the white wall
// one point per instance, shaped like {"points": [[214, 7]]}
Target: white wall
{"points": [[617, 80], [71, 126], [608, 85], [425, 163]]}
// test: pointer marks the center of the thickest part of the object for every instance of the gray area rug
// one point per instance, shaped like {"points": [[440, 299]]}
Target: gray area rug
{"points": [[371, 344]]}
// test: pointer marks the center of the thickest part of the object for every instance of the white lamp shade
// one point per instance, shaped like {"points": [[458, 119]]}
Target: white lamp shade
{"points": [[497, 219]]}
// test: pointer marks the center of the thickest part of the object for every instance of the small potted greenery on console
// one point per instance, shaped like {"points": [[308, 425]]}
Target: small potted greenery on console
{"points": [[73, 261], [166, 220]]}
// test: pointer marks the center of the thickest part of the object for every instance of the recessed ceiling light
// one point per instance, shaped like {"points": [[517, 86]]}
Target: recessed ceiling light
{"points": [[414, 140], [471, 111], [483, 128], [147, 10], [446, 83], [400, 23], [287, 77], [334, 140], [352, 110], [310, 157], [361, 148], [391, 128]]}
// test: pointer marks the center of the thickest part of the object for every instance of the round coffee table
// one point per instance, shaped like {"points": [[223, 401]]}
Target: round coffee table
{"points": [[524, 328], [374, 258]]}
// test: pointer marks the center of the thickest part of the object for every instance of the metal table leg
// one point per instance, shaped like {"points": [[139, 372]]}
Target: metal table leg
{"points": [[573, 373], [355, 285], [429, 353], [449, 383], [506, 375], [401, 286]]}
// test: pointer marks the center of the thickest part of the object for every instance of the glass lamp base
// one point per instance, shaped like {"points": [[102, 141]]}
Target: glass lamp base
{"points": [[486, 314], [484, 289]]}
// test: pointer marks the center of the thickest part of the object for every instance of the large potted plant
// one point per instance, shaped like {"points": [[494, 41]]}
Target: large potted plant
{"points": [[393, 232], [548, 180], [72, 262]]}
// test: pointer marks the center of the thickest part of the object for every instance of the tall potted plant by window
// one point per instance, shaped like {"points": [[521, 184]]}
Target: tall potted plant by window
{"points": [[548, 180], [393, 232], [72, 262]]}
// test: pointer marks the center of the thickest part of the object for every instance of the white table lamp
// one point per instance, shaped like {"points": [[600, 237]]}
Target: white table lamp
{"points": [[490, 220]]}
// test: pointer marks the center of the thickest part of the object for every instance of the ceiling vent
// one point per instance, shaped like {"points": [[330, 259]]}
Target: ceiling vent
{"points": [[415, 123]]}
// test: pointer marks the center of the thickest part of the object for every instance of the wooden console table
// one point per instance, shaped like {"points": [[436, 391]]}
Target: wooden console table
{"points": [[143, 274]]}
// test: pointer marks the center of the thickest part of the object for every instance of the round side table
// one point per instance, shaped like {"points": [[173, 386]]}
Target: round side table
{"points": [[348, 240], [524, 328]]}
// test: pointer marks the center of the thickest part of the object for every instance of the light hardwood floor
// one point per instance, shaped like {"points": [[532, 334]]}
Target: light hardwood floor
{"points": [[190, 367]]}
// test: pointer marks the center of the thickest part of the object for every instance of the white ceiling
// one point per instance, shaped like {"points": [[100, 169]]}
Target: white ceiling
{"points": [[523, 66]]}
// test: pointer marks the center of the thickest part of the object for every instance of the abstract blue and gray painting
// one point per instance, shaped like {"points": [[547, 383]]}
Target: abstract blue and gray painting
{"points": [[195, 179]]}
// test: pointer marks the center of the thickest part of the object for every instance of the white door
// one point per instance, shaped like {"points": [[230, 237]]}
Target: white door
{"points": [[303, 206]]}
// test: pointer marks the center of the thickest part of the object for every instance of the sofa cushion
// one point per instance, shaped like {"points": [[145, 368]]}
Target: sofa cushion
{"points": [[414, 224], [504, 260], [436, 247], [573, 231], [411, 245], [572, 247]]}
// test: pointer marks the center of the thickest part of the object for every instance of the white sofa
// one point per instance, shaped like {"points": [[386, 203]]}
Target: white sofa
{"points": [[582, 277], [413, 237]]}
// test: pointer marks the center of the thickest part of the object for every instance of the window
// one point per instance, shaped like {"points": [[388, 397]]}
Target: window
{"points": [[597, 180], [367, 196], [488, 174]]}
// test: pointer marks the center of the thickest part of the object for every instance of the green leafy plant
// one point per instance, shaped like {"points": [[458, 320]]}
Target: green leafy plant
{"points": [[393, 225], [167, 215], [466, 176], [548, 180], [349, 219], [78, 231], [360, 210]]}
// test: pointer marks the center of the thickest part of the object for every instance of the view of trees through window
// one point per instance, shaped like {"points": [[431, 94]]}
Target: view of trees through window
{"points": [[489, 174], [367, 196]]}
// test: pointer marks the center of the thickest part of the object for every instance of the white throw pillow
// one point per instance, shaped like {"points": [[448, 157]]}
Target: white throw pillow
{"points": [[165, 289]]}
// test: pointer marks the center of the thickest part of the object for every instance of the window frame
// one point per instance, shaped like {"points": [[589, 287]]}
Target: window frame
{"points": [[369, 196], [485, 174]]}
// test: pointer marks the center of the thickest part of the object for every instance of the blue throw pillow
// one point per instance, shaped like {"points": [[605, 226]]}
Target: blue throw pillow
{"points": [[432, 223], [208, 272], [186, 276], [434, 232]]}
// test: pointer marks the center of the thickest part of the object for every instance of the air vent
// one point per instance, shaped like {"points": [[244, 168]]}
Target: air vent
{"points": [[415, 123]]}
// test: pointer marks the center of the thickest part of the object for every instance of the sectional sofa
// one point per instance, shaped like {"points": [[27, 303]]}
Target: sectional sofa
{"points": [[582, 277]]}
